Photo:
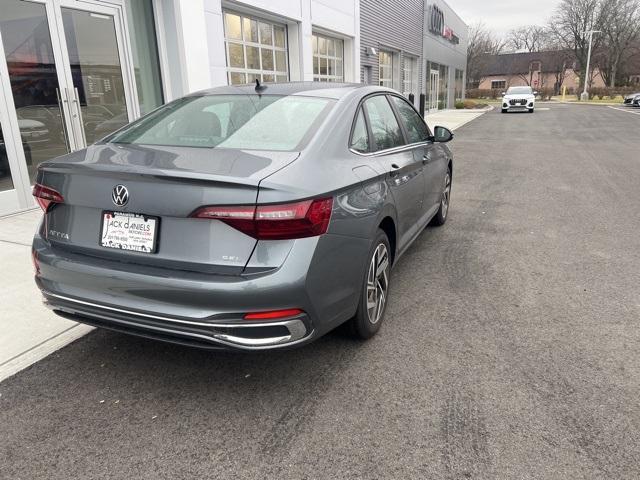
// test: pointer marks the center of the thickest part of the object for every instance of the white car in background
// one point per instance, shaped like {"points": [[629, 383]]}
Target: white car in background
{"points": [[519, 99], [633, 100]]}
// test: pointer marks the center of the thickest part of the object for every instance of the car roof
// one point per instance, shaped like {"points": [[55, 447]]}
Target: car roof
{"points": [[311, 89]]}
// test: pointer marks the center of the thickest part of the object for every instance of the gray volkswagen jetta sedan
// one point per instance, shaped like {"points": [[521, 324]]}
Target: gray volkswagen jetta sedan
{"points": [[250, 217]]}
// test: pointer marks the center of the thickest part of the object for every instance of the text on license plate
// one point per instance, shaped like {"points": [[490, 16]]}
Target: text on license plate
{"points": [[129, 231]]}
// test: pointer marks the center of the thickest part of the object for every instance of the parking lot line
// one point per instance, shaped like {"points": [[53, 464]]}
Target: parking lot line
{"points": [[625, 110]]}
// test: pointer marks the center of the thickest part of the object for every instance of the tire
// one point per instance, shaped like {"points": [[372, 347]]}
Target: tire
{"points": [[374, 291], [504, 110], [445, 201], [531, 110]]}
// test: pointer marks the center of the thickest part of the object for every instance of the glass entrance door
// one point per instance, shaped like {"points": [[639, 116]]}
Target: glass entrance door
{"points": [[33, 100], [66, 85], [97, 89], [434, 87]]}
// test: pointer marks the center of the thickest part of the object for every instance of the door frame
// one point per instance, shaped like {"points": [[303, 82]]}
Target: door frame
{"points": [[20, 197], [111, 9], [434, 87]]}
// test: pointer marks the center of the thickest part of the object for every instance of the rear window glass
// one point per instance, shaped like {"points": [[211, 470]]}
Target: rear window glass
{"points": [[252, 122]]}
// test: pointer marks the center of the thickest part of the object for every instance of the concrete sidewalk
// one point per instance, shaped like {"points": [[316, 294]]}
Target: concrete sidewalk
{"points": [[453, 119], [28, 331]]}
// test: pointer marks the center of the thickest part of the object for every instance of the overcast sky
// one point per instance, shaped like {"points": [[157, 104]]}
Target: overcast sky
{"points": [[503, 15]]}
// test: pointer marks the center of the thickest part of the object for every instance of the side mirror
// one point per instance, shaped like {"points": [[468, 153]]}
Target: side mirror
{"points": [[442, 135], [503, 93], [535, 93]]}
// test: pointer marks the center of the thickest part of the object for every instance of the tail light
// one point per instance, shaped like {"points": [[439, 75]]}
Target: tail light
{"points": [[274, 315], [309, 218], [46, 197]]}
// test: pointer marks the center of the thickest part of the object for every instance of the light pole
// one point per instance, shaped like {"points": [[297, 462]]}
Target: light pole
{"points": [[585, 95]]}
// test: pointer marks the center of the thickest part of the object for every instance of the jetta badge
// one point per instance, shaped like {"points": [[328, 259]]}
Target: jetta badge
{"points": [[120, 196]]}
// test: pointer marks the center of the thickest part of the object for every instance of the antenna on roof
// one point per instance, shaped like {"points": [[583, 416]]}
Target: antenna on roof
{"points": [[259, 87]]}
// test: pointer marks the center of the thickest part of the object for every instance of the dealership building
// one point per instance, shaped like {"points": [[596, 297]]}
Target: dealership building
{"points": [[72, 71], [416, 47]]}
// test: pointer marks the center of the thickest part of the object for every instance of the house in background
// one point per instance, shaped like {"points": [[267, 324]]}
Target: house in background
{"points": [[540, 70]]}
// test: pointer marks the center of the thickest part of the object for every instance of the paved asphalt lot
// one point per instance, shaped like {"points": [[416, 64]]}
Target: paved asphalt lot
{"points": [[510, 349]]}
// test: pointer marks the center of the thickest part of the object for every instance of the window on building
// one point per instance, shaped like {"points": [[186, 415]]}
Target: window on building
{"points": [[443, 93], [409, 71], [385, 73], [384, 124], [328, 58], [536, 66], [498, 84], [459, 87], [416, 128], [256, 49]]}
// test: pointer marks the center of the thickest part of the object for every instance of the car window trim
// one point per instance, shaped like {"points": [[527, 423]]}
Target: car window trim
{"points": [[390, 151], [387, 151]]}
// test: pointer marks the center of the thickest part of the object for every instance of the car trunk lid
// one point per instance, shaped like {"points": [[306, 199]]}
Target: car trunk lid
{"points": [[165, 183]]}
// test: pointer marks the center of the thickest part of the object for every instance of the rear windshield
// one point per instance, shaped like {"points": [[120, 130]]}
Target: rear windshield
{"points": [[253, 122], [519, 91]]}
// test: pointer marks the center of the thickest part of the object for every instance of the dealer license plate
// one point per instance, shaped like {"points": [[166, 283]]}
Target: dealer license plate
{"points": [[129, 231]]}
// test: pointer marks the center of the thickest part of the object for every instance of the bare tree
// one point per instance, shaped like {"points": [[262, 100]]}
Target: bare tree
{"points": [[621, 30], [532, 38], [571, 21], [558, 62], [481, 46]]}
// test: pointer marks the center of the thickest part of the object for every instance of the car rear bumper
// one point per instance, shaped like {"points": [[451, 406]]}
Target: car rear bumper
{"points": [[206, 310], [205, 334]]}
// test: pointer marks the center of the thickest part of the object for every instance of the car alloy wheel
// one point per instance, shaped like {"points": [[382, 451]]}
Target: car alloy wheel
{"points": [[378, 283], [446, 195]]}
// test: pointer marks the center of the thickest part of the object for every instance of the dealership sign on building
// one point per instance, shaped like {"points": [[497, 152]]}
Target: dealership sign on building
{"points": [[438, 26]]}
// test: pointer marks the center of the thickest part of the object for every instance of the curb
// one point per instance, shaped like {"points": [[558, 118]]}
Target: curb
{"points": [[42, 350]]}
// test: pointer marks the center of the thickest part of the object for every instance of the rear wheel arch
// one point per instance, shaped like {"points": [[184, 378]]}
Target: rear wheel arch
{"points": [[388, 226]]}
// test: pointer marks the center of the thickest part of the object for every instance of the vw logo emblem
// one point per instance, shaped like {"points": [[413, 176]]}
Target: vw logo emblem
{"points": [[120, 196]]}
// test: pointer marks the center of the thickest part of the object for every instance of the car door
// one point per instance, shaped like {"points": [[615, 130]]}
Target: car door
{"points": [[432, 156], [404, 173]]}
